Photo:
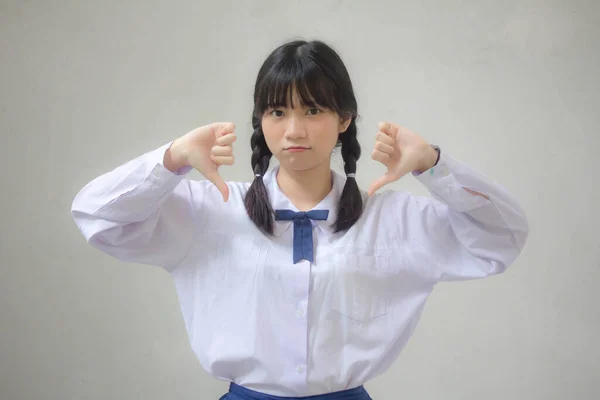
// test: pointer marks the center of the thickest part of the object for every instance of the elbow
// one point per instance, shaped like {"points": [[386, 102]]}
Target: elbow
{"points": [[79, 216], [78, 212], [82, 222], [519, 238], [520, 232]]}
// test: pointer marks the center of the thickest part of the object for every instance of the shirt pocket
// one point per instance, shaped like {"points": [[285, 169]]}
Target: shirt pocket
{"points": [[359, 290]]}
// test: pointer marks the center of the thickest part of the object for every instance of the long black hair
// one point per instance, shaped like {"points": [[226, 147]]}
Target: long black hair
{"points": [[320, 78]]}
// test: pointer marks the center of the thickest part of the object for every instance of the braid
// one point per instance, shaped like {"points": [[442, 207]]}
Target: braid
{"points": [[261, 155], [350, 206], [258, 205]]}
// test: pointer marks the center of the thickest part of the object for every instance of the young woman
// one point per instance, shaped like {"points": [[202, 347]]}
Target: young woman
{"points": [[300, 284]]}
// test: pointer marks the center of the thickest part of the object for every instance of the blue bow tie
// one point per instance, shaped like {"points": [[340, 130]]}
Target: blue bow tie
{"points": [[303, 238]]}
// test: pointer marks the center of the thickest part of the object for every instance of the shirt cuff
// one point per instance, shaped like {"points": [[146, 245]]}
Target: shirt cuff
{"points": [[160, 157], [439, 151], [444, 186]]}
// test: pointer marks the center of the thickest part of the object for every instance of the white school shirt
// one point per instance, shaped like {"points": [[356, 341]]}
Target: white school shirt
{"points": [[254, 317]]}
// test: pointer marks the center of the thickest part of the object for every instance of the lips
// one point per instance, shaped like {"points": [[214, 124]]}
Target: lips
{"points": [[296, 148]]}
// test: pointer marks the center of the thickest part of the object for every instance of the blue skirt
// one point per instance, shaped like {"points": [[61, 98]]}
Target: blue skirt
{"points": [[237, 392]]}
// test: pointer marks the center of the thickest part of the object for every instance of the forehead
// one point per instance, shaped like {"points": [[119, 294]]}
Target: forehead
{"points": [[296, 99], [288, 91], [293, 98]]}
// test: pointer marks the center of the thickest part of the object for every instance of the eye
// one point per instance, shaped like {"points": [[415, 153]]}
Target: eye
{"points": [[276, 113], [314, 111]]}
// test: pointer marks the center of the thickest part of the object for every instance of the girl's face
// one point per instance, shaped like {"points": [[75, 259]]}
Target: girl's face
{"points": [[303, 137]]}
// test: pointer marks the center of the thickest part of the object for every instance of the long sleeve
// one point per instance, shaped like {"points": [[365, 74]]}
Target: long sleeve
{"points": [[470, 228], [140, 212]]}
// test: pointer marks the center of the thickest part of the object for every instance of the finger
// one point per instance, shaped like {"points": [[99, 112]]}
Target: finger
{"points": [[385, 138], [216, 179], [379, 183], [380, 156], [223, 128], [226, 139], [221, 151], [388, 128], [384, 147], [222, 160]]}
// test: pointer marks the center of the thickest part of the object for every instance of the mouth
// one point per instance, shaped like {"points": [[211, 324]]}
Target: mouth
{"points": [[296, 149]]}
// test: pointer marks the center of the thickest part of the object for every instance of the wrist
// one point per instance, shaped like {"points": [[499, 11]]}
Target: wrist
{"points": [[174, 158], [431, 159]]}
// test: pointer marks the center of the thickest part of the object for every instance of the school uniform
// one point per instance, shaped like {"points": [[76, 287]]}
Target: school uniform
{"points": [[288, 315]]}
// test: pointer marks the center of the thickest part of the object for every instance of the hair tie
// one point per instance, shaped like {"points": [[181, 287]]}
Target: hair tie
{"points": [[258, 175], [351, 175]]}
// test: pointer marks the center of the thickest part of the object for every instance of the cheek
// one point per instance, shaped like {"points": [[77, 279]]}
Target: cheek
{"points": [[328, 135], [270, 132]]}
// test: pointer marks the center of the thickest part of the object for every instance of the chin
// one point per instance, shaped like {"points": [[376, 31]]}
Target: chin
{"points": [[299, 165]]}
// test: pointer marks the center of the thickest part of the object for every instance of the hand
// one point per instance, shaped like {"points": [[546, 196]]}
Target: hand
{"points": [[401, 151], [205, 148]]}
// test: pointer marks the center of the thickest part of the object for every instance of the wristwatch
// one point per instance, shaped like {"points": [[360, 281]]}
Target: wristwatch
{"points": [[437, 148]]}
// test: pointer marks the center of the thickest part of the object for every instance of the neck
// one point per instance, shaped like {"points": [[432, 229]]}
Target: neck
{"points": [[306, 189]]}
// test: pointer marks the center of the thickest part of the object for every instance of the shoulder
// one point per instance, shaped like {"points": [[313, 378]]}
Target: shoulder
{"points": [[206, 192], [385, 216], [397, 207], [213, 213], [382, 201], [397, 200]]}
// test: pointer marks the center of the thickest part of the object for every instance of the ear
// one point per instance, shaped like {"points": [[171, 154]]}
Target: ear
{"points": [[344, 124]]}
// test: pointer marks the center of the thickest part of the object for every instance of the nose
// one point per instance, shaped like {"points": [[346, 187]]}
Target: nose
{"points": [[295, 128]]}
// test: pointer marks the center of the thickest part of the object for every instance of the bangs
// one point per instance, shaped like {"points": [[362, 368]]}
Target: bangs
{"points": [[303, 75]]}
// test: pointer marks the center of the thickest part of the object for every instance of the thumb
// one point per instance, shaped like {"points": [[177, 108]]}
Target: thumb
{"points": [[216, 179], [379, 183]]}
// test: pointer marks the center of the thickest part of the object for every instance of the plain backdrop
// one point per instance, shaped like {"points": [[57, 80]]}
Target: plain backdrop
{"points": [[508, 87]]}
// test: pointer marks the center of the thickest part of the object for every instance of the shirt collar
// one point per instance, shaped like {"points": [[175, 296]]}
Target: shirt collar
{"points": [[280, 201]]}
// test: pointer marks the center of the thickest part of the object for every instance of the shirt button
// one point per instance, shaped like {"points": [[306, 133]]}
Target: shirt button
{"points": [[298, 313], [300, 369]]}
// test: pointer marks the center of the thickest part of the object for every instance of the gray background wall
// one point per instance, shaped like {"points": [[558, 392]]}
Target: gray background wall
{"points": [[510, 87]]}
